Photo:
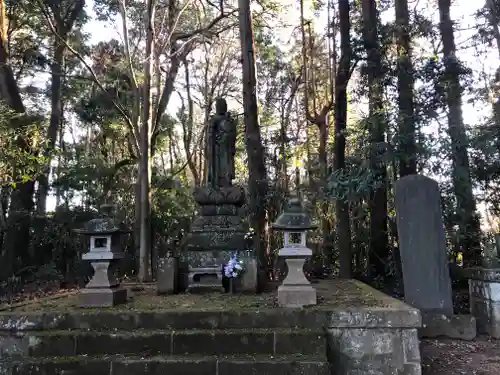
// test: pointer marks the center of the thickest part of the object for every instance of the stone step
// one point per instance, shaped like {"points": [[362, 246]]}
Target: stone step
{"points": [[120, 365], [133, 320], [202, 342]]}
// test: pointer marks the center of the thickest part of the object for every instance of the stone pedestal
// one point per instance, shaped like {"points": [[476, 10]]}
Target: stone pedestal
{"points": [[484, 292], [216, 234], [104, 289], [296, 290]]}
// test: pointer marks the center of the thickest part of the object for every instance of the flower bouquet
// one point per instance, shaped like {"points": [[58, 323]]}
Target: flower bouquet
{"points": [[233, 270]]}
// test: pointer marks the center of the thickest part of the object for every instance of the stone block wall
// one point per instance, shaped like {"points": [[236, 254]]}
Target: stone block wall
{"points": [[387, 346], [484, 292]]}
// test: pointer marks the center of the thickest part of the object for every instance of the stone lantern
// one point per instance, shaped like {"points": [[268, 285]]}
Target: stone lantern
{"points": [[296, 290], [105, 234]]}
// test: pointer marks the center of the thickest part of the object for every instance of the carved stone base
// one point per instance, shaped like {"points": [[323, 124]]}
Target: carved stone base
{"points": [[209, 278], [203, 270], [103, 297], [215, 235], [296, 295]]}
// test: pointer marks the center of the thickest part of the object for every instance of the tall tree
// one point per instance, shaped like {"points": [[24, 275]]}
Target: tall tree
{"points": [[377, 127], [467, 218], [257, 176], [407, 154], [341, 82], [63, 14]]}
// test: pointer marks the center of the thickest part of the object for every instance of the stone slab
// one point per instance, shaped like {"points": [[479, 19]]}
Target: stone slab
{"points": [[374, 351], [426, 275], [359, 329], [249, 280], [486, 274], [459, 327], [296, 295], [167, 276], [174, 365], [487, 314], [216, 239], [484, 297], [231, 195], [485, 289], [103, 297]]}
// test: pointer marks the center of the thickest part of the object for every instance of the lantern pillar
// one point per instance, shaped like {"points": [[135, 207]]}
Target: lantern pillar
{"points": [[296, 290]]}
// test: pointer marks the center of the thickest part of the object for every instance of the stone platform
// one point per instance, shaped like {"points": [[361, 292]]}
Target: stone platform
{"points": [[353, 330]]}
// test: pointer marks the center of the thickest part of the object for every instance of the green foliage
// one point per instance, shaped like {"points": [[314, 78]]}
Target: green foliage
{"points": [[17, 163]]}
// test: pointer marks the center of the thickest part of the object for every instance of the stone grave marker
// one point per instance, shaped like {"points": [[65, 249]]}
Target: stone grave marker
{"points": [[426, 276]]}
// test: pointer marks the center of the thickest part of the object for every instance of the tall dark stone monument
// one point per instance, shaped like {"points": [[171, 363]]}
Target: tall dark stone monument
{"points": [[426, 275], [218, 231]]}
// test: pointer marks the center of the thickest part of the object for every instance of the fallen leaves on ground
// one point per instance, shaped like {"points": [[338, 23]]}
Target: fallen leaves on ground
{"points": [[454, 357]]}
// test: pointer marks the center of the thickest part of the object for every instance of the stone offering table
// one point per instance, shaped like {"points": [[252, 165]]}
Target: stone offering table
{"points": [[354, 329]]}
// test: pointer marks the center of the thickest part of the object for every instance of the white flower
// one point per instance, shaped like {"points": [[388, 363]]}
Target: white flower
{"points": [[238, 267], [235, 274]]}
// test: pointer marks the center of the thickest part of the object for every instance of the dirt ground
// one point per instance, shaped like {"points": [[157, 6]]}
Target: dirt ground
{"points": [[453, 357]]}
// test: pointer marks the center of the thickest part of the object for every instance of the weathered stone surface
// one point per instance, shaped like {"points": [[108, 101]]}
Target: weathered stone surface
{"points": [[142, 343], [374, 351], [294, 296], [217, 196], [485, 274], [484, 293], [71, 366], [216, 239], [202, 366], [249, 281], [485, 289], [252, 367], [426, 277], [460, 327], [301, 342], [174, 365], [366, 332], [167, 275], [223, 343], [106, 297]]}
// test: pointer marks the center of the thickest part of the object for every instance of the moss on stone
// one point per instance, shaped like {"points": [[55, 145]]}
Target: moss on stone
{"points": [[332, 294]]}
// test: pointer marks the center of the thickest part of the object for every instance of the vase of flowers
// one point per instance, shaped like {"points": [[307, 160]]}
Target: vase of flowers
{"points": [[233, 271]]}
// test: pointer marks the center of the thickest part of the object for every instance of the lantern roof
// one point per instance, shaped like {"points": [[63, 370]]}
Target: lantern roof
{"points": [[294, 218], [106, 224]]}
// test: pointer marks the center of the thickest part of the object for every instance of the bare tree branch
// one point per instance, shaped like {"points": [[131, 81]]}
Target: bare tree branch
{"points": [[118, 107]]}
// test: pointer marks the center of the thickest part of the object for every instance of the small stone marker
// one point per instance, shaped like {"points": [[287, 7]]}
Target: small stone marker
{"points": [[166, 279], [426, 274], [296, 290], [104, 289]]}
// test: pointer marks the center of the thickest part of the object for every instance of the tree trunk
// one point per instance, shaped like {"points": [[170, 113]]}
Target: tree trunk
{"points": [[145, 272], [17, 235], [468, 220], [378, 201], [257, 179], [341, 81], [54, 125], [407, 146], [494, 20]]}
